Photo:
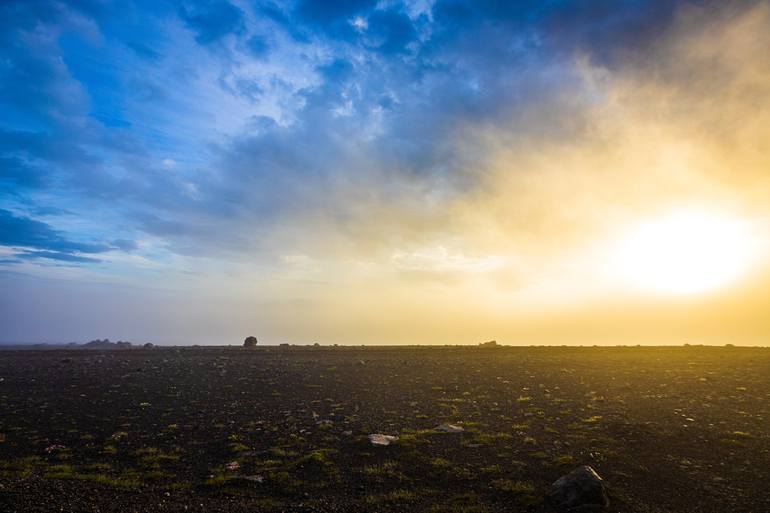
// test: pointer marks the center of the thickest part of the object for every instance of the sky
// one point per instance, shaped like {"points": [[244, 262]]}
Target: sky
{"points": [[385, 172]]}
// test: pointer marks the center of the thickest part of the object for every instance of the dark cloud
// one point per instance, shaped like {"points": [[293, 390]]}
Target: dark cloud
{"points": [[610, 31], [463, 16]]}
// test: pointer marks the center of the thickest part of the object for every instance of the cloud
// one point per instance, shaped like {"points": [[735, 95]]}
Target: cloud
{"points": [[124, 244], [143, 50], [17, 174], [389, 31], [373, 118], [25, 232], [331, 16], [57, 255], [479, 144], [258, 46]]}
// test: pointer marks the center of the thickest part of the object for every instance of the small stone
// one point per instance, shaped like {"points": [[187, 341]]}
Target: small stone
{"points": [[54, 448], [382, 440]]}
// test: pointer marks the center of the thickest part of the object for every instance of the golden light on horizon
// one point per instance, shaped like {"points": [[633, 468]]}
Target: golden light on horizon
{"points": [[685, 252]]}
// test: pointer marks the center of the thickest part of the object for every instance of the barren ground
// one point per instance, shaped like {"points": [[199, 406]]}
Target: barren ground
{"points": [[230, 429]]}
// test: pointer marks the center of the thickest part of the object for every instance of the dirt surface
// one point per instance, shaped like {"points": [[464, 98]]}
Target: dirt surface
{"points": [[269, 429]]}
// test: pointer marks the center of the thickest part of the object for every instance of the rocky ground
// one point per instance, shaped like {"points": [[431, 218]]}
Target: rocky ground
{"points": [[269, 429]]}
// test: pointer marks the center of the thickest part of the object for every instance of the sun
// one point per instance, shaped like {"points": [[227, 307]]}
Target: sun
{"points": [[684, 252]]}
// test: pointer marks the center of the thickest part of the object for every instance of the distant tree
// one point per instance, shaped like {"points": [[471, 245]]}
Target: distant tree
{"points": [[250, 342], [149, 345]]}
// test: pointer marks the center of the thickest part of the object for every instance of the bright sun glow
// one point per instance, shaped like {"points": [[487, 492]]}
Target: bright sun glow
{"points": [[685, 252]]}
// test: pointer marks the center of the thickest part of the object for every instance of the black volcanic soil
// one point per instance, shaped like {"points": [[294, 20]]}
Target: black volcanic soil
{"points": [[269, 429]]}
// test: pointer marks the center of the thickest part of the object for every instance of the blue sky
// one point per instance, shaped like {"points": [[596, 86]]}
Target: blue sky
{"points": [[165, 154]]}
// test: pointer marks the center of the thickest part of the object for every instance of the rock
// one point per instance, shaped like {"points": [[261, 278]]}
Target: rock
{"points": [[380, 439], [250, 342], [449, 428], [54, 448], [580, 491]]}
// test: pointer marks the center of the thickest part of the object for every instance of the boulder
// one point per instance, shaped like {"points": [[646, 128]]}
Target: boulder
{"points": [[580, 491], [250, 342]]}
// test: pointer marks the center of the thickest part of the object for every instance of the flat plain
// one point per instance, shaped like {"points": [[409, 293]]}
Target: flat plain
{"points": [[681, 429]]}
